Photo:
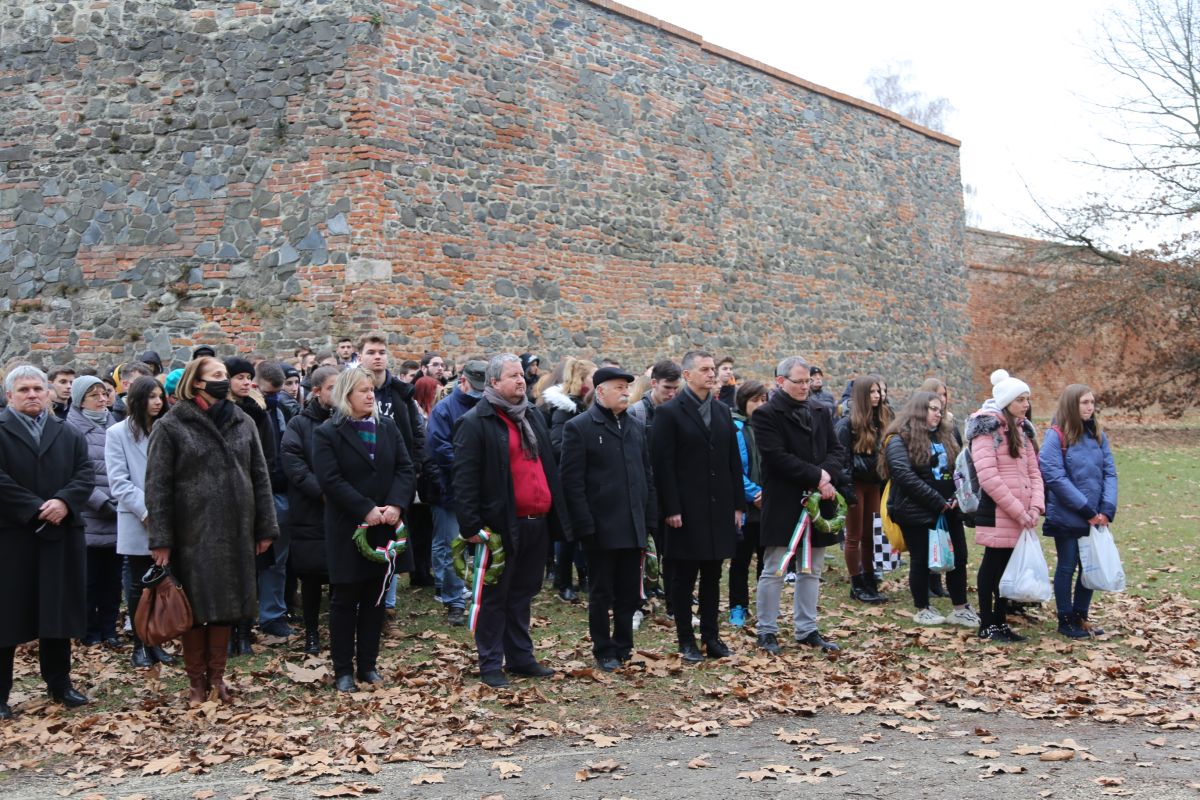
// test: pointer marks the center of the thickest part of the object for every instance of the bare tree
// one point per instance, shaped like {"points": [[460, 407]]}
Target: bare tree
{"points": [[889, 87], [1099, 280]]}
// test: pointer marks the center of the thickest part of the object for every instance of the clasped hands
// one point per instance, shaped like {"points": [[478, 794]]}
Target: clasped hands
{"points": [[383, 515]]}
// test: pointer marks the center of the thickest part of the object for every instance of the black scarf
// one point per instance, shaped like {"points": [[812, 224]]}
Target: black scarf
{"points": [[797, 409]]}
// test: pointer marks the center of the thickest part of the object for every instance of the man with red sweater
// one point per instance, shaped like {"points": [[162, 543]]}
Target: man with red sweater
{"points": [[506, 480]]}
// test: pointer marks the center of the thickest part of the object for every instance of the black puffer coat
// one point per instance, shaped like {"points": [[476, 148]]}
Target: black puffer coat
{"points": [[306, 501], [916, 499]]}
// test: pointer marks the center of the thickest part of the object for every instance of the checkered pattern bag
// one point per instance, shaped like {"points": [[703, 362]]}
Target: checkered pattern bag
{"points": [[885, 559]]}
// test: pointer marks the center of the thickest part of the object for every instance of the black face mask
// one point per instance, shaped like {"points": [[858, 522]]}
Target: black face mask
{"points": [[218, 390]]}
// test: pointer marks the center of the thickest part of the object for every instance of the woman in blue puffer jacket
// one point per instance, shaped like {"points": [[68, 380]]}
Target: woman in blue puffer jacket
{"points": [[1081, 491]]}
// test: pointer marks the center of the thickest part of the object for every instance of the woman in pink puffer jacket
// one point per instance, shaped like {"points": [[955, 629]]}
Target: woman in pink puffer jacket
{"points": [[1004, 448]]}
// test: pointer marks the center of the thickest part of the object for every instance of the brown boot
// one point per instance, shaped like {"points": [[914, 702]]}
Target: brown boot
{"points": [[194, 664], [218, 654]]}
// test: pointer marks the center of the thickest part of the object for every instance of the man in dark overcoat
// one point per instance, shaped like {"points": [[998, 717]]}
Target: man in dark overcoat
{"points": [[506, 480], [45, 482], [800, 455], [609, 488], [698, 475]]}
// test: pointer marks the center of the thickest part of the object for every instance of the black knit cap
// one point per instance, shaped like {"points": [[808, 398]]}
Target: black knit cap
{"points": [[237, 366]]}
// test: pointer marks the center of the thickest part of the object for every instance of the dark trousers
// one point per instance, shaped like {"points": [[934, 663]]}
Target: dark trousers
{"points": [[311, 589], [684, 574], [992, 607], [355, 624], [103, 592], [136, 567], [420, 540], [739, 566], [502, 630], [568, 555], [615, 585], [860, 529], [55, 658], [917, 539]]}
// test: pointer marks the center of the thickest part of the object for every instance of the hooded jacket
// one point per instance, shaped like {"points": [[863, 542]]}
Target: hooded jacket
{"points": [[1009, 486], [560, 408], [100, 514], [439, 438]]}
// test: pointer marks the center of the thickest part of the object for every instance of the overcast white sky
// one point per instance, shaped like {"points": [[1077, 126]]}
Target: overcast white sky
{"points": [[1020, 74]]}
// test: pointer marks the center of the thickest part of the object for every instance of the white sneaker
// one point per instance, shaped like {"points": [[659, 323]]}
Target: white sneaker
{"points": [[789, 578], [927, 616], [637, 619], [963, 616]]}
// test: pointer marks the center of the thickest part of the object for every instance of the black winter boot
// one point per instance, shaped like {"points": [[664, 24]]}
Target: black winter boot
{"points": [[859, 589], [1068, 627], [872, 579], [312, 641]]}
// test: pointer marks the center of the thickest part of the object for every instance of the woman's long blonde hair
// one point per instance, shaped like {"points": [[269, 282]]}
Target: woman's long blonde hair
{"points": [[342, 388]]}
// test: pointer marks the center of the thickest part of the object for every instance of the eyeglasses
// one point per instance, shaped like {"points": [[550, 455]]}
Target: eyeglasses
{"points": [[936, 410], [801, 382]]}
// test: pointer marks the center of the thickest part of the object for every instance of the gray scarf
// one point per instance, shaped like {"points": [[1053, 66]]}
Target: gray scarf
{"points": [[703, 406], [516, 413], [35, 425]]}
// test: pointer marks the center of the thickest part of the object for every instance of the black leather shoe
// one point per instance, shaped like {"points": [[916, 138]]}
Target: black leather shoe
{"points": [[567, 595], [455, 617], [814, 639], [716, 648], [345, 683], [161, 656], [370, 676], [496, 679], [69, 698], [690, 653], [312, 643], [532, 670], [141, 658], [113, 643], [768, 642], [5, 711], [608, 664]]}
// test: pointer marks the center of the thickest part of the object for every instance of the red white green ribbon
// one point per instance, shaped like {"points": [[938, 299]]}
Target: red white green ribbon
{"points": [[800, 541], [483, 559]]}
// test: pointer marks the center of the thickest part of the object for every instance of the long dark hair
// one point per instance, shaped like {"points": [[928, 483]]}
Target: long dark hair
{"points": [[1068, 419], [137, 401], [866, 422], [911, 425]]}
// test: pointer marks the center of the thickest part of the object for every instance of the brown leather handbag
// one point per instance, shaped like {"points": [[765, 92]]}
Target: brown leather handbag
{"points": [[164, 612]]}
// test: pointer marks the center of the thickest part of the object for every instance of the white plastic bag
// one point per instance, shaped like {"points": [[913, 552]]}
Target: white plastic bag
{"points": [[1026, 579], [1100, 562]]}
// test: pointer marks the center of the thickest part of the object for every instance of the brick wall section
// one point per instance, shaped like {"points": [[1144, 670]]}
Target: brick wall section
{"points": [[555, 175]]}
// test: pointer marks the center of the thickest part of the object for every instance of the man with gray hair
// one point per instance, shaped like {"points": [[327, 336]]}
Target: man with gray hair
{"points": [[46, 480], [800, 455], [506, 481]]}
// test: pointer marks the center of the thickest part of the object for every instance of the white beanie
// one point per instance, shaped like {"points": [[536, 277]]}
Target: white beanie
{"points": [[1006, 388]]}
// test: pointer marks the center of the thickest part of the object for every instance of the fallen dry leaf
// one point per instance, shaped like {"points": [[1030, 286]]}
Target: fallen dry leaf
{"points": [[164, 766], [607, 765], [428, 777], [1105, 780], [984, 753], [507, 769], [758, 775], [347, 790], [1057, 755], [698, 763]]}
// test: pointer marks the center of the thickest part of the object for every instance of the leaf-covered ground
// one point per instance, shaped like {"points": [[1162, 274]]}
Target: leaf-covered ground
{"points": [[289, 727]]}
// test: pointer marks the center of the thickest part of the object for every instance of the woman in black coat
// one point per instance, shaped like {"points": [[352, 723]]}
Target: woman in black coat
{"points": [[367, 476], [306, 502], [918, 460]]}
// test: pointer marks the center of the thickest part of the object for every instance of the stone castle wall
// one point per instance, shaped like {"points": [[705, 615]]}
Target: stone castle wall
{"points": [[551, 175]]}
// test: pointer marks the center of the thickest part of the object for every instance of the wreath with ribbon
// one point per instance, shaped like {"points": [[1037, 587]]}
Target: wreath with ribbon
{"points": [[819, 523], [384, 554], [465, 568]]}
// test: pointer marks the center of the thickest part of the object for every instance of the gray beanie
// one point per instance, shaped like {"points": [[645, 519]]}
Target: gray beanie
{"points": [[80, 387]]}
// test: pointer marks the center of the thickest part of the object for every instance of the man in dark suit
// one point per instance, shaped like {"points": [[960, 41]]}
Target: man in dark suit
{"points": [[506, 480], [800, 455], [45, 482], [606, 479], [698, 475]]}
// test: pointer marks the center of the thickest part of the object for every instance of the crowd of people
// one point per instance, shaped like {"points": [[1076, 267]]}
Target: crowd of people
{"points": [[258, 483]]}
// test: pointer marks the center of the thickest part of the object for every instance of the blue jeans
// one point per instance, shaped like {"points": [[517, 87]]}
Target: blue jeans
{"points": [[272, 581], [1067, 548], [445, 531]]}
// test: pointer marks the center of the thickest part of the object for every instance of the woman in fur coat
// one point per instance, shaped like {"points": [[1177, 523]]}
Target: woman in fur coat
{"points": [[208, 495]]}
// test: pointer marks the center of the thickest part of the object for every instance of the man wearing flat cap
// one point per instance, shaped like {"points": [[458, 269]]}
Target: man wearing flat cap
{"points": [[610, 497]]}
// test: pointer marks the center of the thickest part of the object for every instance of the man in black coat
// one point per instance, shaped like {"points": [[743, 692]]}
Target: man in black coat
{"points": [[800, 455], [698, 475], [506, 480], [46, 480], [609, 489]]}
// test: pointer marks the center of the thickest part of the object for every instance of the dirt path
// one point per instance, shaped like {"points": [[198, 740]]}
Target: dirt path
{"points": [[834, 755]]}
